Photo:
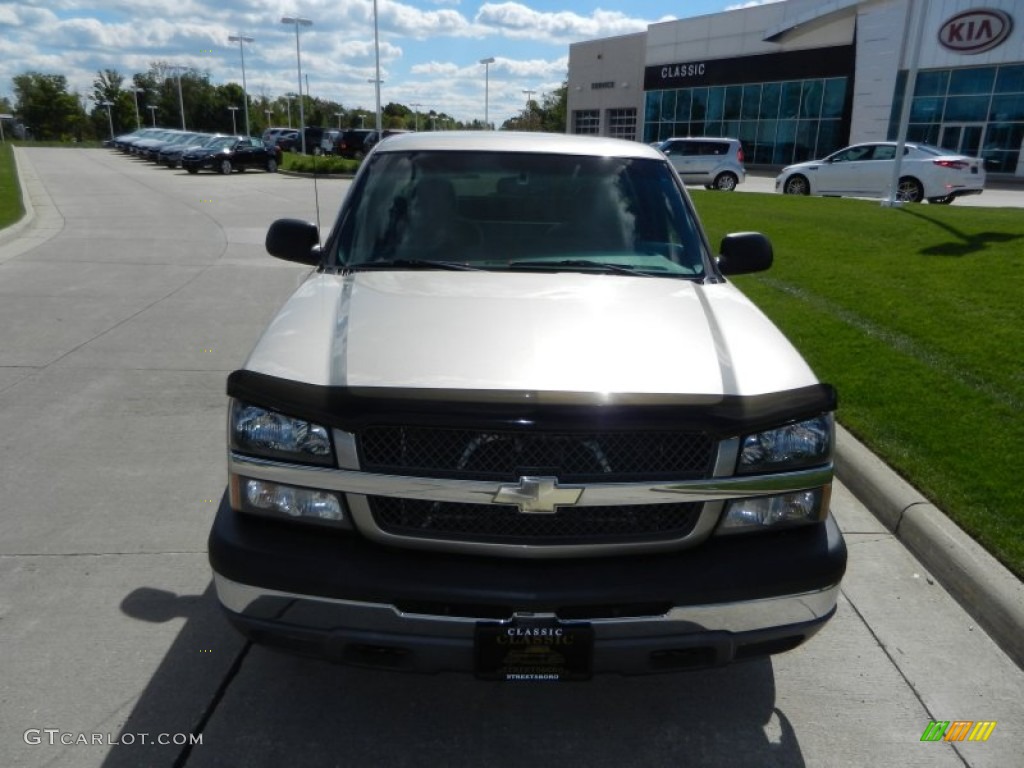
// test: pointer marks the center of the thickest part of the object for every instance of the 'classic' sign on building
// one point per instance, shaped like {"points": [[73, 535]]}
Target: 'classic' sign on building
{"points": [[975, 31]]}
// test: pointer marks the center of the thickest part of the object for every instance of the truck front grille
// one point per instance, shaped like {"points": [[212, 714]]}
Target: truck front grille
{"points": [[503, 524], [507, 455]]}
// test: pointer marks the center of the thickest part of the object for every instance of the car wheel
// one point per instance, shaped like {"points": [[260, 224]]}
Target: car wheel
{"points": [[941, 200], [796, 185], [225, 166], [317, 151], [192, 170], [726, 182], [909, 190], [271, 165]]}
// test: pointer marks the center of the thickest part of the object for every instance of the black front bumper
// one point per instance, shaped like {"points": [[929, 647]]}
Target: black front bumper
{"points": [[338, 596]]}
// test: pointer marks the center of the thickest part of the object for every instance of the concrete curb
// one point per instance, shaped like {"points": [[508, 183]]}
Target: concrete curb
{"points": [[992, 595]]}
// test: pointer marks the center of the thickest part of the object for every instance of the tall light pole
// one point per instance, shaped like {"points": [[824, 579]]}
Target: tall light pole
{"points": [[234, 126], [487, 91], [299, 22], [417, 107], [240, 39], [135, 92], [376, 64], [181, 100], [152, 113], [339, 115], [529, 112], [110, 118]]}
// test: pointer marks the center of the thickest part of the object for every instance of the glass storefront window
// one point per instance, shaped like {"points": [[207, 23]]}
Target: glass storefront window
{"points": [[751, 112], [716, 99], [926, 109], [1010, 79], [770, 95], [971, 81], [653, 107], [790, 107], [931, 83], [966, 108], [733, 102], [835, 97], [668, 105], [751, 102], [1006, 108], [683, 102], [810, 99], [699, 108]]}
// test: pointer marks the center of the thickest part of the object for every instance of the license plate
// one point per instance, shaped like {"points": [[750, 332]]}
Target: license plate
{"points": [[528, 651]]}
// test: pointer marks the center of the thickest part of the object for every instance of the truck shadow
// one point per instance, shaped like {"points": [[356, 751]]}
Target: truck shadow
{"points": [[253, 707]]}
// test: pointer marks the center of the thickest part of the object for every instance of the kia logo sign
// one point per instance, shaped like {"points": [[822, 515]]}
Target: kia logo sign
{"points": [[975, 31]]}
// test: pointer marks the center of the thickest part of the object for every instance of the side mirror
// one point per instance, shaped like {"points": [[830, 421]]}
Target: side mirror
{"points": [[745, 252], [294, 240]]}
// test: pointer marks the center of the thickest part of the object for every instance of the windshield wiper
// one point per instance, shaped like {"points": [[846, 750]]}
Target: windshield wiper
{"points": [[411, 264], [618, 269]]}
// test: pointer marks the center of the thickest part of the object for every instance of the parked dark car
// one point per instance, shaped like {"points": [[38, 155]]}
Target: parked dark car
{"points": [[351, 144], [170, 154], [151, 150], [229, 153], [374, 138]]}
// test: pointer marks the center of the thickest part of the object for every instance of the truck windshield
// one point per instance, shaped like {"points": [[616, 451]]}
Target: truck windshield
{"points": [[490, 210]]}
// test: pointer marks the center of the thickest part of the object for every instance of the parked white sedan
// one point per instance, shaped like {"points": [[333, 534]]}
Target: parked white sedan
{"points": [[865, 170]]}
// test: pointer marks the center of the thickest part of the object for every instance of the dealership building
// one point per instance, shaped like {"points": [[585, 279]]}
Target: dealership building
{"points": [[795, 80]]}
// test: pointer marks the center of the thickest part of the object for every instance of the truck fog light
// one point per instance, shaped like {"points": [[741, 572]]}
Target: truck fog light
{"points": [[306, 504], [763, 512]]}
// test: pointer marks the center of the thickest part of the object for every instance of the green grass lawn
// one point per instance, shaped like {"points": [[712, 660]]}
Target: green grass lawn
{"points": [[10, 192], [916, 314]]}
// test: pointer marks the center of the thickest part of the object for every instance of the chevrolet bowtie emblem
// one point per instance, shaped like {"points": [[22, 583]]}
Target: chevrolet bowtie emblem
{"points": [[537, 495]]}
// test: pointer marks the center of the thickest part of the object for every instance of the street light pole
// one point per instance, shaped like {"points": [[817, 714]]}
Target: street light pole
{"points": [[135, 92], [152, 113], [240, 39], [529, 112], [234, 126], [339, 115], [417, 107], [110, 118], [298, 21], [376, 64], [487, 91]]}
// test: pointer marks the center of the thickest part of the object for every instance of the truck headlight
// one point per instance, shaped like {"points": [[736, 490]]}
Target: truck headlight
{"points": [[262, 432], [288, 501], [783, 510], [803, 444]]}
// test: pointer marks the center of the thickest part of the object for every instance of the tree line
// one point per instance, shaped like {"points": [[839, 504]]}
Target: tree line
{"points": [[177, 97]]}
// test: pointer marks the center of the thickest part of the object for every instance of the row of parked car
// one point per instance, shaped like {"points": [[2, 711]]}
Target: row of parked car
{"points": [[196, 151], [353, 143]]}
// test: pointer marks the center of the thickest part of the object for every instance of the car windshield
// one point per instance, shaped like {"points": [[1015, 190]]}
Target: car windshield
{"points": [[522, 211], [221, 142]]}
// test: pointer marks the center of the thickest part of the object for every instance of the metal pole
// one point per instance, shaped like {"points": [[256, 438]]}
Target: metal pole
{"points": [[487, 91], [376, 77], [241, 39], [296, 20], [908, 97]]}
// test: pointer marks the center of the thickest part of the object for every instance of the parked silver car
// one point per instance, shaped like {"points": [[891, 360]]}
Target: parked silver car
{"points": [[717, 163]]}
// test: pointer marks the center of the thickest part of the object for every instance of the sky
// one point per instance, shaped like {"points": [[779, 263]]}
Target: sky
{"points": [[429, 49]]}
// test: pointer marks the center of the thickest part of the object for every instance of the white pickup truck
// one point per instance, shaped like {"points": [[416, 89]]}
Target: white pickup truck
{"points": [[518, 422]]}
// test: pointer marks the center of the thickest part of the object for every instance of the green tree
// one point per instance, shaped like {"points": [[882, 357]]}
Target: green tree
{"points": [[46, 108]]}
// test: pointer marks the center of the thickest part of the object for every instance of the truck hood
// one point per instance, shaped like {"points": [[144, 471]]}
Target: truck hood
{"points": [[561, 332]]}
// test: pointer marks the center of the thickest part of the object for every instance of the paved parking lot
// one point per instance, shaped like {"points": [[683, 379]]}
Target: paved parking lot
{"points": [[123, 308]]}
